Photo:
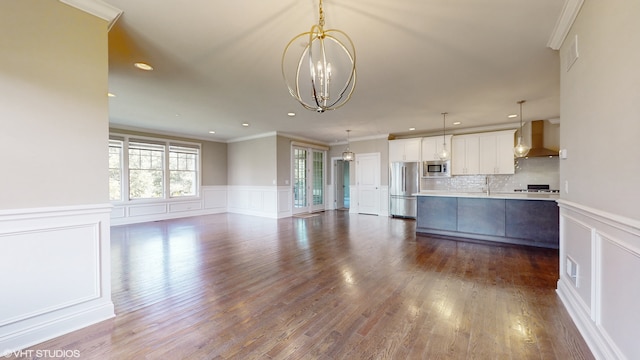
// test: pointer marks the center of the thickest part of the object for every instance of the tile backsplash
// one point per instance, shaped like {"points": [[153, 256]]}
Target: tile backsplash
{"points": [[539, 170]]}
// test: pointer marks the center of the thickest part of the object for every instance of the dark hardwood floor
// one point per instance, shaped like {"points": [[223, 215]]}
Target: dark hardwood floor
{"points": [[332, 286]]}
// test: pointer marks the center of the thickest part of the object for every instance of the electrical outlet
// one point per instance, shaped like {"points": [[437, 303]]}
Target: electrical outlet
{"points": [[566, 186]]}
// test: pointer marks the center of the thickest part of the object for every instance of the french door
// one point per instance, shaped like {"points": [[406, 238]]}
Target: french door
{"points": [[308, 179]]}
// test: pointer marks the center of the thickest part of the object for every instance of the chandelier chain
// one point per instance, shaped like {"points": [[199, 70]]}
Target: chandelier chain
{"points": [[321, 12]]}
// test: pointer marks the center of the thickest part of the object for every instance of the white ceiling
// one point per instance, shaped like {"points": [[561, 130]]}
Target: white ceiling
{"points": [[217, 65]]}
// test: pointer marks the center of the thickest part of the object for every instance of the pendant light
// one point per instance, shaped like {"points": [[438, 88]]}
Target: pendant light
{"points": [[521, 149], [443, 154], [348, 155], [324, 75]]}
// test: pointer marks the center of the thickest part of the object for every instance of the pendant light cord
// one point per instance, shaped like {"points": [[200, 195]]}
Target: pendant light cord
{"points": [[521, 102], [444, 117]]}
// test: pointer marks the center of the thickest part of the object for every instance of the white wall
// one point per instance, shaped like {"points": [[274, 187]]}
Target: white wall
{"points": [[53, 81], [599, 215], [601, 108], [54, 219]]}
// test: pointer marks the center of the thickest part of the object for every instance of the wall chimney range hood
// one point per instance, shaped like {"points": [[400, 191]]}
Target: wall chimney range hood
{"points": [[537, 141]]}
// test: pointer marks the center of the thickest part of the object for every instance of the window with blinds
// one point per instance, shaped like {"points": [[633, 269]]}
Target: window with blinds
{"points": [[146, 170], [115, 169], [183, 170]]}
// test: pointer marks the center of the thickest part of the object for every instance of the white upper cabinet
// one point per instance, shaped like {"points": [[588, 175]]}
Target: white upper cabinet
{"points": [[404, 150], [496, 152], [432, 145], [465, 154]]}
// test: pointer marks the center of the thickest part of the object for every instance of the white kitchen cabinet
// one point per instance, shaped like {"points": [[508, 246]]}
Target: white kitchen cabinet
{"points": [[432, 145], [404, 150], [465, 154], [496, 152]]}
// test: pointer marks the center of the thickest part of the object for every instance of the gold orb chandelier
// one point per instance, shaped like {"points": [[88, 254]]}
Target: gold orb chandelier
{"points": [[323, 76]]}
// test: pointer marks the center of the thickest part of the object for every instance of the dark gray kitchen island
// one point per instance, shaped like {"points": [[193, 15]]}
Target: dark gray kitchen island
{"points": [[518, 218]]}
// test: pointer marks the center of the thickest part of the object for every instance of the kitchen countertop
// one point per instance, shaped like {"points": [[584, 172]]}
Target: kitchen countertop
{"points": [[492, 195]]}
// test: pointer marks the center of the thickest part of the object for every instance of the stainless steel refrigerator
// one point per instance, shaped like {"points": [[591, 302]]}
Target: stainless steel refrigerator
{"points": [[403, 183]]}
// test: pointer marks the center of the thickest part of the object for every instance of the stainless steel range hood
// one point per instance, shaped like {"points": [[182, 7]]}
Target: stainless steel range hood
{"points": [[538, 148]]}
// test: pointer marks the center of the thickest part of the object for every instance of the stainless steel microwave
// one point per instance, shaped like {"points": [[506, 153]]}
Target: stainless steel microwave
{"points": [[436, 168]]}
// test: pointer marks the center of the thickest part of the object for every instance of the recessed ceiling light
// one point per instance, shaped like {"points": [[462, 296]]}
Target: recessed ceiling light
{"points": [[512, 116], [245, 124], [143, 66], [111, 95], [212, 132], [292, 114], [457, 123], [412, 129]]}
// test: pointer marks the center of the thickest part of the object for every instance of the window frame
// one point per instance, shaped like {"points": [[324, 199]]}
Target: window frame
{"points": [[167, 144], [117, 142], [184, 148]]}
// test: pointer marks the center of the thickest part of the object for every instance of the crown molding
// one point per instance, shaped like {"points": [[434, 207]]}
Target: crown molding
{"points": [[97, 8], [359, 139], [118, 128], [252, 137], [564, 23]]}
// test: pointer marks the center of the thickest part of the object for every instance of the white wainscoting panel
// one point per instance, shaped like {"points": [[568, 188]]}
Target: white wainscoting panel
{"points": [[581, 250], [147, 209], [215, 197], [270, 201], [254, 200], [118, 212], [238, 199], [185, 206], [35, 253], [56, 272], [213, 200], [257, 200], [604, 301], [285, 201]]}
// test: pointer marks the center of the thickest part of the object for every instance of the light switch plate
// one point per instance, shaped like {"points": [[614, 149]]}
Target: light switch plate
{"points": [[563, 154]]}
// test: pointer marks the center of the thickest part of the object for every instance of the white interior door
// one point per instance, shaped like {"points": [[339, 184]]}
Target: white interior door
{"points": [[368, 183]]}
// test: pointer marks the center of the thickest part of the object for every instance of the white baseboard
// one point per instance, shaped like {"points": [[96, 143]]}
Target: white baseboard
{"points": [[57, 272], [586, 327]]}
